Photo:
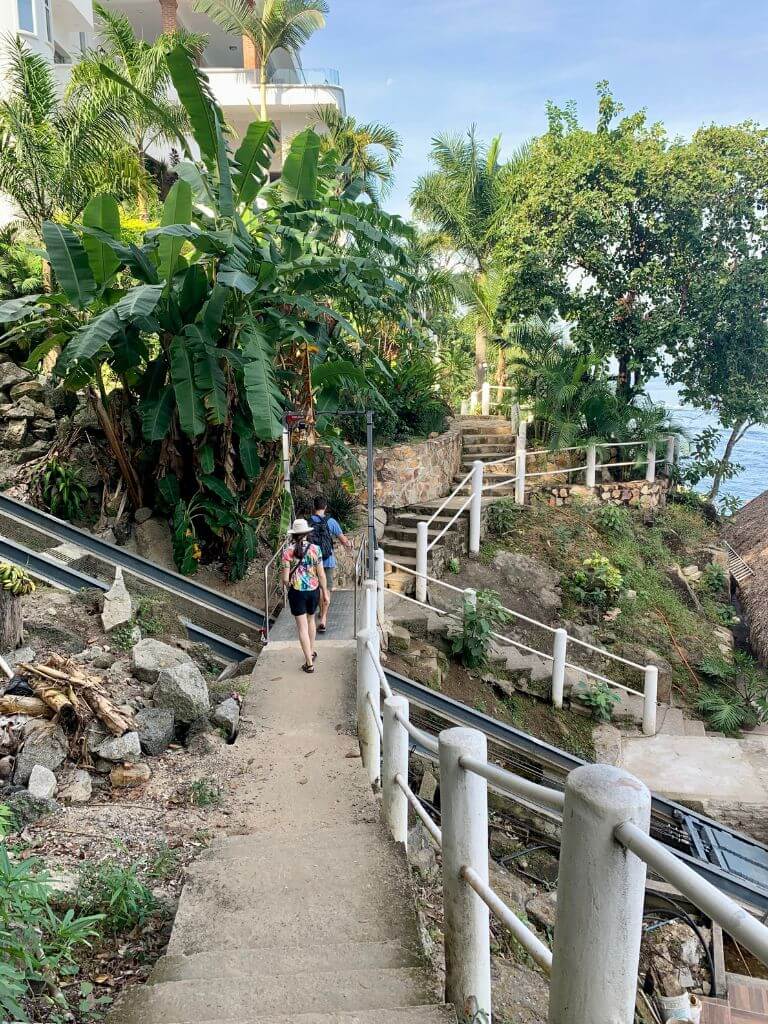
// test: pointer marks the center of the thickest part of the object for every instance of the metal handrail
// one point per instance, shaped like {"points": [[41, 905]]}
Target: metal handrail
{"points": [[732, 918], [454, 493], [267, 568], [426, 739]]}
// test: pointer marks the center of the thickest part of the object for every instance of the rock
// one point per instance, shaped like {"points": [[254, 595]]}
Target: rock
{"points": [[141, 515], [121, 748], [724, 640], [692, 573], [42, 783], [526, 575], [79, 789], [520, 994], [63, 889], [428, 787], [630, 595], [34, 451], [6, 767], [104, 659], [227, 716], [44, 744], [11, 374], [399, 639], [513, 889], [150, 657], [542, 909], [27, 809], [155, 727], [680, 582], [421, 853], [183, 689], [14, 434], [26, 389], [238, 668], [20, 654], [118, 608], [607, 741], [124, 776], [153, 542]]}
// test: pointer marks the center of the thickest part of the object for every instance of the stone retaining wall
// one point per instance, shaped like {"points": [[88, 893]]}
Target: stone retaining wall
{"points": [[408, 474], [635, 493]]}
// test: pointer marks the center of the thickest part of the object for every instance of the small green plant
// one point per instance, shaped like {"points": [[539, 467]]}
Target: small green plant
{"points": [[162, 862], [482, 617], [115, 891], [502, 517], [737, 698], [62, 490], [123, 637], [599, 698], [613, 520], [149, 617], [726, 710], [91, 1007], [186, 547], [713, 578], [204, 793], [454, 566], [597, 583], [7, 821]]}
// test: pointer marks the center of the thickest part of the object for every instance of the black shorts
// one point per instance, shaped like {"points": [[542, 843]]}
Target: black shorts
{"points": [[303, 602]]}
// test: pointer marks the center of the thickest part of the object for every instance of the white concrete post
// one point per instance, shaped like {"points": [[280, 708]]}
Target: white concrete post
{"points": [[649, 700], [473, 404], [368, 686], [286, 460], [669, 458], [600, 893], [422, 542], [378, 561], [394, 803], [485, 398], [522, 432], [520, 476], [464, 807], [476, 507], [464, 407], [650, 469], [371, 616], [515, 415], [469, 601], [559, 649], [591, 465]]}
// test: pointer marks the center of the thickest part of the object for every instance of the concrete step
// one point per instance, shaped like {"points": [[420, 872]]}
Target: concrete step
{"points": [[236, 999], [394, 548], [409, 533], [427, 1014], [693, 727], [671, 721], [232, 963]]}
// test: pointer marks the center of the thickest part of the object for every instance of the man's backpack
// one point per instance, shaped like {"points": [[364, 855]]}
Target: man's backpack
{"points": [[322, 536]]}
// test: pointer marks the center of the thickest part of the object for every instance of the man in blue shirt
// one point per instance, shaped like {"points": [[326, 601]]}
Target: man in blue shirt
{"points": [[327, 530]]}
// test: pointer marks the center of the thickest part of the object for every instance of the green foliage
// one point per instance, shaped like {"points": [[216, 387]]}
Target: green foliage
{"points": [[62, 490], [714, 579], [163, 862], [739, 697], [343, 503], [599, 698], [480, 619], [36, 945], [7, 821], [21, 269], [454, 566], [597, 583], [502, 517], [152, 617], [186, 547], [115, 891], [123, 637], [204, 793], [613, 519]]}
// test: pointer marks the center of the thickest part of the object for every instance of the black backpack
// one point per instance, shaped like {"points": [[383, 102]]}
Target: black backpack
{"points": [[322, 536]]}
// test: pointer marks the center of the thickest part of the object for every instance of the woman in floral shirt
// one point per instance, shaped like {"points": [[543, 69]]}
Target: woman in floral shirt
{"points": [[304, 576]]}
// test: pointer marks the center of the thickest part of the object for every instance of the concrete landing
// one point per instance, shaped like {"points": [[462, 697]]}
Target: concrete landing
{"points": [[340, 620], [700, 767], [308, 915]]}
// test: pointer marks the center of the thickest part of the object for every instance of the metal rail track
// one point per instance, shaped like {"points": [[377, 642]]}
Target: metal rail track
{"points": [[735, 863]]}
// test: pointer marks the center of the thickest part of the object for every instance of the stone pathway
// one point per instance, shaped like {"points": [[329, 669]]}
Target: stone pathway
{"points": [[308, 916]]}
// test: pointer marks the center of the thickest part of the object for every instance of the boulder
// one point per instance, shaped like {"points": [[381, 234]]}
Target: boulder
{"points": [[399, 639], [542, 909], [118, 608], [27, 809], [153, 542], [78, 790], [44, 744], [26, 389], [42, 783], [150, 657], [141, 515], [121, 748], [124, 776], [183, 689], [529, 578], [155, 727], [227, 716], [11, 374], [34, 451], [428, 787], [14, 434]]}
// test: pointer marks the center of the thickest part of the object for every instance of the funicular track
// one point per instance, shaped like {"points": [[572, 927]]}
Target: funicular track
{"points": [[735, 863]]}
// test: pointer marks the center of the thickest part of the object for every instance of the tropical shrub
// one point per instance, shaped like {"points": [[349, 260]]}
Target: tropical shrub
{"points": [[597, 583], [482, 618], [62, 490], [502, 517], [599, 698], [116, 893], [737, 694], [613, 520]]}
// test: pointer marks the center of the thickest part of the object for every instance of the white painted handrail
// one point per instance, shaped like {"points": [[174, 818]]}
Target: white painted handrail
{"points": [[454, 494], [459, 512], [514, 785], [420, 809]]}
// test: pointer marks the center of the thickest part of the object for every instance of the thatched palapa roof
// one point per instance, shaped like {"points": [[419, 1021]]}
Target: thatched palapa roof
{"points": [[748, 534]]}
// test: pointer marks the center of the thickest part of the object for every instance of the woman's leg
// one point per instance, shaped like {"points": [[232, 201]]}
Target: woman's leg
{"points": [[302, 625], [312, 632]]}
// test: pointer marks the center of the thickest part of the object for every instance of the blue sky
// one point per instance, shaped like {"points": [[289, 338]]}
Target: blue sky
{"points": [[428, 66]]}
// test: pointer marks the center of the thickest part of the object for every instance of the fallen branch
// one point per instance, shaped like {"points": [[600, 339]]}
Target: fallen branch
{"points": [[92, 693], [63, 706], [33, 706]]}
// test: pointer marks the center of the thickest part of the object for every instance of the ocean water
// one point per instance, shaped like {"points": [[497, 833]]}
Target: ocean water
{"points": [[751, 452]]}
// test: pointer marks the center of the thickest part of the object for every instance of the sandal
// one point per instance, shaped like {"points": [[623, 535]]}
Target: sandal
{"points": [[309, 669], [321, 629], [314, 656]]}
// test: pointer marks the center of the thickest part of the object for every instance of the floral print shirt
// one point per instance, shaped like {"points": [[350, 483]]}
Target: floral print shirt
{"points": [[305, 576]]}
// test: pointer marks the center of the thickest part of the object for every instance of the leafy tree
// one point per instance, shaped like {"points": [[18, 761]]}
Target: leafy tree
{"points": [[20, 268], [269, 25], [151, 115], [366, 152]]}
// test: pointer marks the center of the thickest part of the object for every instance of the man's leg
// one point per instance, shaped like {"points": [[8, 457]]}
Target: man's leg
{"points": [[325, 605]]}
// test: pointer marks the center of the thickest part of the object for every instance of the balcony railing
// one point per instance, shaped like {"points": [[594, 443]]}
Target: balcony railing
{"points": [[281, 76]]}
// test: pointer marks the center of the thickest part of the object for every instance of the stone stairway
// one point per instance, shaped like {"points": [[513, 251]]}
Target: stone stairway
{"points": [[747, 1002], [308, 916], [487, 438]]}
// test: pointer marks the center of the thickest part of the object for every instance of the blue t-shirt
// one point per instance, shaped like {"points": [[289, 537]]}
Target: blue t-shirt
{"points": [[335, 531]]}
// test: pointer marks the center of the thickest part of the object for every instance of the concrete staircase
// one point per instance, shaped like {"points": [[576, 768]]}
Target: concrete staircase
{"points": [[308, 917], [487, 438]]}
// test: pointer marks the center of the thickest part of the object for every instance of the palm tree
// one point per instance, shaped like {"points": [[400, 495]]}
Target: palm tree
{"points": [[151, 116], [460, 199], [55, 154], [482, 295], [270, 25], [366, 152]]}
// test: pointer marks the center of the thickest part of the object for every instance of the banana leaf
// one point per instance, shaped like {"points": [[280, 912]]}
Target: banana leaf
{"points": [[102, 212], [189, 400], [70, 264]]}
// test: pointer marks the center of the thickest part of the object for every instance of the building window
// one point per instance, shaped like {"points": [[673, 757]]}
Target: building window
{"points": [[26, 12], [48, 24]]}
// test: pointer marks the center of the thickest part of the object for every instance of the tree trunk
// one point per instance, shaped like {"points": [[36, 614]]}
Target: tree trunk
{"points": [[50, 358], [736, 434], [501, 368], [263, 89], [481, 353], [11, 621], [125, 465]]}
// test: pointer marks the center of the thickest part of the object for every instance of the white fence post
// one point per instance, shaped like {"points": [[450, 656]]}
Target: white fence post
{"points": [[520, 476], [371, 610], [649, 700], [378, 560], [600, 893], [422, 541], [368, 687], [286, 446], [464, 807], [464, 407], [476, 508], [394, 803], [485, 398], [591, 465], [669, 458], [514, 415], [473, 404], [559, 649], [650, 469]]}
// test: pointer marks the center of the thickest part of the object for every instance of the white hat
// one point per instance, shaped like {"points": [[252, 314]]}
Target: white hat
{"points": [[301, 526]]}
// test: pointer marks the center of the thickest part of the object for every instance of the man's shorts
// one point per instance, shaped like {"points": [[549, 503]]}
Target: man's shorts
{"points": [[329, 574], [303, 602]]}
